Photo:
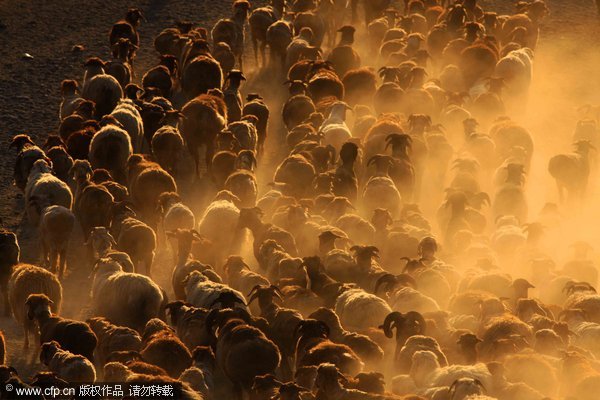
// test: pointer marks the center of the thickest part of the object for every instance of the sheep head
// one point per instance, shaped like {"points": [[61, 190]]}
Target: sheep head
{"points": [[134, 16], [235, 264], [291, 391], [365, 254], [47, 351], [311, 328], [265, 385], [265, 294], [38, 306], [407, 325], [327, 316], [217, 319], [227, 299], [328, 377]]}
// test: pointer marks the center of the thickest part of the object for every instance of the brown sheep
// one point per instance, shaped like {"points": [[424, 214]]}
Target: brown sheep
{"points": [[26, 280], [161, 347], [205, 117]]}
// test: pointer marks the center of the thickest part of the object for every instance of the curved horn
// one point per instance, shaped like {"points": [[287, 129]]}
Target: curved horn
{"points": [[392, 320]]}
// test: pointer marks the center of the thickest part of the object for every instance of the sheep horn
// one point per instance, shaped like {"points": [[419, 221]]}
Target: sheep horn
{"points": [[392, 320], [415, 316], [384, 279]]}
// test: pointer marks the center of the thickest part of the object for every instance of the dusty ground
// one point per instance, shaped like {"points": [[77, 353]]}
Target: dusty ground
{"points": [[565, 76]]}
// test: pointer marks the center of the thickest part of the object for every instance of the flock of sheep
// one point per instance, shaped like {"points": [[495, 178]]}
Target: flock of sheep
{"points": [[311, 254]]}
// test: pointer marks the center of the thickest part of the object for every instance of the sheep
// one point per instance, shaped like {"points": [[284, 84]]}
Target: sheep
{"points": [[328, 386], [11, 252], [44, 189], [73, 336], [102, 243], [256, 106], [126, 299], [240, 277], [105, 91], [279, 35], [202, 371], [69, 90], [380, 191], [112, 338], [203, 293], [61, 162], [259, 21], [189, 323], [231, 30], [334, 129], [364, 347], [163, 76], [571, 171], [205, 117], [314, 347], [119, 67], [26, 280], [127, 29], [110, 149], [245, 133], [235, 340], [167, 145], [161, 347], [218, 221], [352, 303], [232, 96], [146, 188], [201, 74], [68, 366], [28, 154], [127, 114], [251, 218], [297, 108], [56, 227]]}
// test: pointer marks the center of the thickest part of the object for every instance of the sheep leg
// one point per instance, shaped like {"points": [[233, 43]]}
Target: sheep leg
{"points": [[263, 52], [148, 264], [62, 266], [26, 335], [45, 254], [255, 48], [5, 296], [54, 261], [241, 62]]}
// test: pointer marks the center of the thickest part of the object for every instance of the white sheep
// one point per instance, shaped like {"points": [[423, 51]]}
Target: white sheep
{"points": [[176, 215], [408, 299], [218, 224], [56, 227], [359, 310], [516, 68], [204, 293], [44, 189], [128, 115], [334, 129], [126, 299], [105, 91], [381, 192], [71, 367], [110, 149]]}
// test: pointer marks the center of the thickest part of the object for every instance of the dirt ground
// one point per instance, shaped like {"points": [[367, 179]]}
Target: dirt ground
{"points": [[47, 30]]}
